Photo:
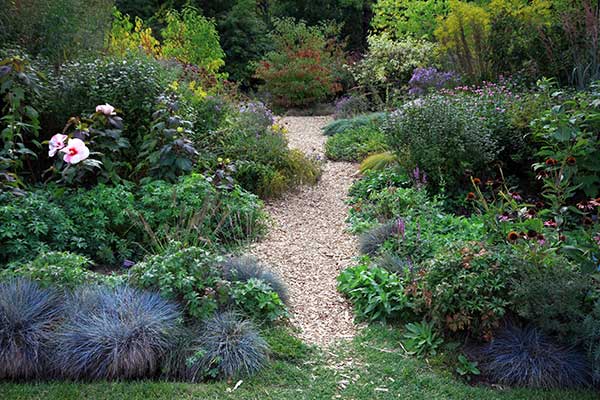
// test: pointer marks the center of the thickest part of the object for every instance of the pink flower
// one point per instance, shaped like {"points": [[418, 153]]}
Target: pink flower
{"points": [[106, 109], [75, 151], [56, 143]]}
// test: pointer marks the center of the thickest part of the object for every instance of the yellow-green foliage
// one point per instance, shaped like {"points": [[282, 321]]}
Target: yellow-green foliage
{"points": [[192, 38], [126, 36], [400, 18], [499, 37], [464, 35], [378, 162]]}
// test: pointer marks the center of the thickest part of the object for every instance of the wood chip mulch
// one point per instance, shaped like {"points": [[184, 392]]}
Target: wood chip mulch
{"points": [[308, 244]]}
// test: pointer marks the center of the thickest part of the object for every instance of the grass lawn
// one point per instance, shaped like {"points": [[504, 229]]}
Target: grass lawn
{"points": [[372, 367]]}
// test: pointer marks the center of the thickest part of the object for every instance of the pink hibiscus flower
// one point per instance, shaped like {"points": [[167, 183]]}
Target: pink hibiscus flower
{"points": [[56, 143], [75, 151], [106, 109]]}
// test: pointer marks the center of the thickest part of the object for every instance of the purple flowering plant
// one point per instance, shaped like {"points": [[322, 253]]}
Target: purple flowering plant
{"points": [[425, 79]]}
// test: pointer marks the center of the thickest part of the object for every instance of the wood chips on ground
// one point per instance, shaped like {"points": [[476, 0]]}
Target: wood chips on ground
{"points": [[308, 244]]}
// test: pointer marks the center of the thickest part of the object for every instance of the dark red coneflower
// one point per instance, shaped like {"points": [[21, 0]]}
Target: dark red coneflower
{"points": [[551, 162], [470, 196], [571, 161], [512, 236], [476, 181]]}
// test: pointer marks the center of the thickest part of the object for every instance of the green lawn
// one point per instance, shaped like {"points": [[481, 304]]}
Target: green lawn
{"points": [[372, 367]]}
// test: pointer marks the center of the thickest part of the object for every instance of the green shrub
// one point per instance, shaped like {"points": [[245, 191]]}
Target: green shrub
{"points": [[244, 38], [130, 84], [265, 165], [53, 269], [167, 151], [401, 18], [389, 65], [102, 219], [34, 224], [553, 298], [423, 131], [468, 288], [188, 275], [95, 223], [343, 125], [241, 269], [58, 29], [192, 39], [302, 69], [258, 299], [194, 212], [375, 293], [384, 205], [355, 145]]}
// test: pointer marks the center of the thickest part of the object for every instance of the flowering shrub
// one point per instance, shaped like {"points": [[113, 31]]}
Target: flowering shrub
{"points": [[422, 131], [302, 69], [255, 116], [389, 64], [570, 149], [102, 130], [132, 83], [425, 79]]}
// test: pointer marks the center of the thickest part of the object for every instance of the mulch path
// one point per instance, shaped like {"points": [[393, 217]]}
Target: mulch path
{"points": [[308, 244]]}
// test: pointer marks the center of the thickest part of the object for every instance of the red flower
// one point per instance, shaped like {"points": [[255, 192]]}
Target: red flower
{"points": [[571, 160], [470, 196], [551, 162], [476, 181]]}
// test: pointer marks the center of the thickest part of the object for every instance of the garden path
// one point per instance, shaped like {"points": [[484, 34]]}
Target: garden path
{"points": [[307, 243]]}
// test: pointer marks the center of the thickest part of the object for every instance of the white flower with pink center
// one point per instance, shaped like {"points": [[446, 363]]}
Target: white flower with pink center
{"points": [[56, 143], [75, 151]]}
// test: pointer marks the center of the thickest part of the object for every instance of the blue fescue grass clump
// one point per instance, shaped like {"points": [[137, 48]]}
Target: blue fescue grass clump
{"points": [[114, 333], [371, 241], [242, 269], [226, 347], [342, 125], [526, 357], [28, 316]]}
